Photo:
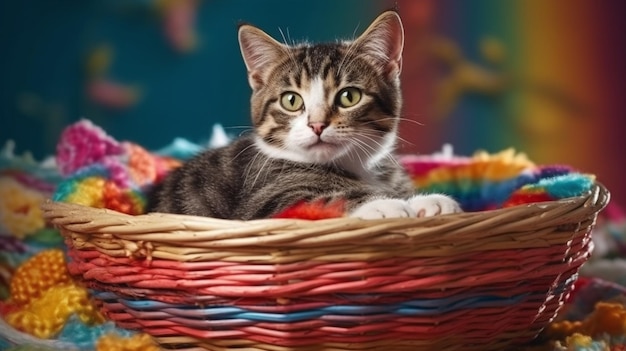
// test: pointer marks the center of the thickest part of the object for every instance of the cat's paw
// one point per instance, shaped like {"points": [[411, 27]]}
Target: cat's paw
{"points": [[435, 204], [384, 208]]}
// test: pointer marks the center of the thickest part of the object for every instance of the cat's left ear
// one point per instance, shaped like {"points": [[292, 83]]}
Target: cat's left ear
{"points": [[383, 41]]}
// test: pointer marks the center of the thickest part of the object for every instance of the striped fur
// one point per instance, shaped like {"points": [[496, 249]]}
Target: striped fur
{"points": [[326, 149]]}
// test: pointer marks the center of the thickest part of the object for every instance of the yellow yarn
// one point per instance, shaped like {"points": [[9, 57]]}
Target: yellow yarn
{"points": [[578, 340], [47, 296], [45, 317], [501, 165], [481, 167], [20, 209], [138, 342], [88, 192], [39, 273]]}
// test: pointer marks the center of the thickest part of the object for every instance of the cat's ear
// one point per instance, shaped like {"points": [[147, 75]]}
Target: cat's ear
{"points": [[383, 41], [260, 52]]}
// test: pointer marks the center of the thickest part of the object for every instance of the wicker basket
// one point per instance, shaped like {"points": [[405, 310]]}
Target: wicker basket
{"points": [[472, 281]]}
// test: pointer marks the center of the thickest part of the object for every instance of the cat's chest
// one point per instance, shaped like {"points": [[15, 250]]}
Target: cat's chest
{"points": [[258, 169], [268, 171], [371, 178], [372, 175]]}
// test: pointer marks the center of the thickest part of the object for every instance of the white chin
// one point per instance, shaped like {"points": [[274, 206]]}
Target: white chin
{"points": [[323, 152], [318, 153]]}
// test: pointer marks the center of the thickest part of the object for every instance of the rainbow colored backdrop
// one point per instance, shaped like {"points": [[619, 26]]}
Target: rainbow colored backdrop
{"points": [[543, 76], [564, 99]]}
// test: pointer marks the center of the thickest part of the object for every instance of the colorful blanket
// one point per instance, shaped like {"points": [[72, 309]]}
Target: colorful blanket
{"points": [[94, 169], [102, 172]]}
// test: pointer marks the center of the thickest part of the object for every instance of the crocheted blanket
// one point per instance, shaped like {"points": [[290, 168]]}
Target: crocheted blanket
{"points": [[94, 169], [101, 172]]}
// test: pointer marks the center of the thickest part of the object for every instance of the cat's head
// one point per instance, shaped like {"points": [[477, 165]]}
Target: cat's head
{"points": [[324, 103]]}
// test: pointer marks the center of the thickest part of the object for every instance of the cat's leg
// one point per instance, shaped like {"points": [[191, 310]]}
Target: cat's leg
{"points": [[433, 204], [416, 206]]}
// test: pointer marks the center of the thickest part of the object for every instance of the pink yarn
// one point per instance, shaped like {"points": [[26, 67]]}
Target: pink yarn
{"points": [[118, 171], [82, 144]]}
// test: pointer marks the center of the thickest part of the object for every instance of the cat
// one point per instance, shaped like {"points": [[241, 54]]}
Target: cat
{"points": [[325, 120]]}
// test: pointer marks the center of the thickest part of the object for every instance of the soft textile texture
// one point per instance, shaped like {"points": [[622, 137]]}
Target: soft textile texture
{"points": [[102, 172], [106, 173]]}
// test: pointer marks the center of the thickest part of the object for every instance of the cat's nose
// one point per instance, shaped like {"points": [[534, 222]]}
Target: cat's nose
{"points": [[317, 127]]}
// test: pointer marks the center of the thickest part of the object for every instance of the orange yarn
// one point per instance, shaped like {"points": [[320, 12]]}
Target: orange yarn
{"points": [[118, 199], [142, 165], [561, 329], [138, 342], [38, 274], [609, 318]]}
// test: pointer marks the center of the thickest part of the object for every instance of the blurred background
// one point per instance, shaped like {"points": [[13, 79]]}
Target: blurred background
{"points": [[545, 77]]}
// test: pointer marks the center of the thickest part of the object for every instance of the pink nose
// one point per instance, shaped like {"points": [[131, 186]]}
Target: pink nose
{"points": [[317, 127]]}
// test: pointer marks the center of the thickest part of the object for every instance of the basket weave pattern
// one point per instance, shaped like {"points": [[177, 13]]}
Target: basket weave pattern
{"points": [[471, 281]]}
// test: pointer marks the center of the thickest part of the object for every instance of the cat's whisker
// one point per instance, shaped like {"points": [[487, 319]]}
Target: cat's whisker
{"points": [[355, 30], [241, 152], [349, 55], [250, 166], [399, 119], [414, 118], [289, 52], [282, 34], [398, 137], [367, 148], [402, 119], [387, 155], [261, 170], [244, 130], [239, 127], [404, 141], [289, 37], [267, 174], [351, 152], [370, 137]]}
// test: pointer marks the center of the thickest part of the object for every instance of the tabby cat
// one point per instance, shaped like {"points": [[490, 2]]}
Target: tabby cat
{"points": [[325, 120]]}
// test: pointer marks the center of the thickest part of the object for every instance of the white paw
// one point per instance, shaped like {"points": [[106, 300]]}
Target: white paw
{"points": [[384, 208], [435, 204]]}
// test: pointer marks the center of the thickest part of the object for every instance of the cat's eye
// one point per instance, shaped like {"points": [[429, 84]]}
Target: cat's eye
{"points": [[291, 101], [348, 97]]}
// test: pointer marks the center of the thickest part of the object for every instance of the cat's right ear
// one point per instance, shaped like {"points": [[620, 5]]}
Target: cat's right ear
{"points": [[383, 42], [260, 52]]}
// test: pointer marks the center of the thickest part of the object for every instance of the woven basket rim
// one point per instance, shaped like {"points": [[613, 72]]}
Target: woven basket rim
{"points": [[232, 233]]}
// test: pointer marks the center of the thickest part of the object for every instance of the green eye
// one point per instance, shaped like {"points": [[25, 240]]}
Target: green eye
{"points": [[291, 101], [348, 97]]}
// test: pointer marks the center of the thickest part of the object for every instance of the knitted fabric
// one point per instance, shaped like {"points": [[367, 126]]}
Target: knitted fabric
{"points": [[104, 173]]}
